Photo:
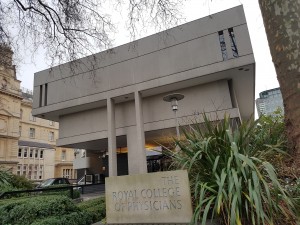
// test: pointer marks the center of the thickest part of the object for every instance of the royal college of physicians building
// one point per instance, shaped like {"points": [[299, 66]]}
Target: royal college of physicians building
{"points": [[112, 102]]}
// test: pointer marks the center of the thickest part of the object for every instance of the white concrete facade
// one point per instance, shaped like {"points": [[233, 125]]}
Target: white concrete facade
{"points": [[114, 98]]}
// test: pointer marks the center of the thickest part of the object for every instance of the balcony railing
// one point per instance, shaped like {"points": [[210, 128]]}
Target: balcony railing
{"points": [[26, 90]]}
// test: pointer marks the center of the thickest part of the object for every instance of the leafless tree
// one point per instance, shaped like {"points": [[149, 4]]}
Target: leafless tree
{"points": [[70, 29]]}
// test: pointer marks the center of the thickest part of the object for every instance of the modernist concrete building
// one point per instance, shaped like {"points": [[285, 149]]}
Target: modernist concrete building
{"points": [[27, 143], [269, 101], [113, 101]]}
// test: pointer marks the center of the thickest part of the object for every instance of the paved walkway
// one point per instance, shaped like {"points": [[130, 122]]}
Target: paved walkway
{"points": [[89, 196]]}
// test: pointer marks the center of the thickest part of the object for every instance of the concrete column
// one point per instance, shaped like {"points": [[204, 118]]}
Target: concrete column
{"points": [[112, 140], [137, 163]]}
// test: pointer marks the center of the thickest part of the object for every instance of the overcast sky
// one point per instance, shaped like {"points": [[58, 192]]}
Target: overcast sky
{"points": [[193, 9]]}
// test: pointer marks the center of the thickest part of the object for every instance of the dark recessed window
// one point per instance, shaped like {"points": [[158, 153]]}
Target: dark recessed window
{"points": [[20, 153], [41, 96], [222, 45], [46, 94], [233, 43]]}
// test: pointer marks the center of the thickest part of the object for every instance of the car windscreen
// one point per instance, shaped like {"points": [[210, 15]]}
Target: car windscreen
{"points": [[46, 183]]}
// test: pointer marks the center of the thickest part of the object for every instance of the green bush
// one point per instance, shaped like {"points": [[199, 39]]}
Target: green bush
{"points": [[74, 218], [76, 194], [27, 210], [5, 176], [230, 172], [21, 182], [6, 188], [95, 207], [12, 182]]}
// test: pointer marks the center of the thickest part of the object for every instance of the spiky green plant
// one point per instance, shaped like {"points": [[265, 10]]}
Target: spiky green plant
{"points": [[230, 174], [5, 176]]}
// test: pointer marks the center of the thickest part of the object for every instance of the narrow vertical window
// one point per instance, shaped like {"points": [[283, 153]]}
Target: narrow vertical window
{"points": [[20, 153], [25, 152], [35, 172], [32, 132], [31, 153], [46, 94], [222, 45], [41, 154], [63, 155], [41, 172], [36, 153], [29, 172], [233, 43], [41, 96], [24, 171], [19, 170], [51, 136]]}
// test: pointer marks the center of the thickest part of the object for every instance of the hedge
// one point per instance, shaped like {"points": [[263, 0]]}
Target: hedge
{"points": [[27, 210], [95, 207], [51, 210], [75, 218]]}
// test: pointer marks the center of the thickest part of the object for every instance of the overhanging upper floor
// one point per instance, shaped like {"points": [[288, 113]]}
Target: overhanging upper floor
{"points": [[213, 48]]}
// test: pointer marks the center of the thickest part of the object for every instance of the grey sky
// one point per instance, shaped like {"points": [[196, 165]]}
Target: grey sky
{"points": [[193, 9]]}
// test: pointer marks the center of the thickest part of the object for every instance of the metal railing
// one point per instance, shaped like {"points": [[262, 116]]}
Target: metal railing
{"points": [[91, 179], [87, 188], [26, 90]]}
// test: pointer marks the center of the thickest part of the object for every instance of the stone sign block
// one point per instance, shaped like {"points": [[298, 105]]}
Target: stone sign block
{"points": [[162, 197]]}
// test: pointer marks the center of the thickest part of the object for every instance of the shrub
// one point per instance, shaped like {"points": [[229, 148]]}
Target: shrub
{"points": [[12, 182], [74, 218], [21, 182], [95, 207], [76, 194], [230, 173], [4, 176], [27, 210], [6, 187]]}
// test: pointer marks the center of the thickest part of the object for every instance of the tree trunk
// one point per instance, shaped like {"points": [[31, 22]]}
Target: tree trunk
{"points": [[282, 23]]}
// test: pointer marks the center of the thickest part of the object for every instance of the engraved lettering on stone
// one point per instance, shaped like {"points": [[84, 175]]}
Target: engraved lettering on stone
{"points": [[166, 194]]}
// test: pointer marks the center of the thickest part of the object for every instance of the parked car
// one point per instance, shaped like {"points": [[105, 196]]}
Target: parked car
{"points": [[54, 181]]}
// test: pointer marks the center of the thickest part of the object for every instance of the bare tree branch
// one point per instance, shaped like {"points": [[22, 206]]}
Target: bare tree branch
{"points": [[70, 29]]}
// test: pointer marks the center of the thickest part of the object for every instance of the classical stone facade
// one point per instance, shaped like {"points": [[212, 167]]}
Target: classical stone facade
{"points": [[10, 105], [27, 143], [64, 158]]}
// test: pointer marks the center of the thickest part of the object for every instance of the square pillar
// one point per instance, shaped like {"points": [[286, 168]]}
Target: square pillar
{"points": [[137, 163], [112, 140]]}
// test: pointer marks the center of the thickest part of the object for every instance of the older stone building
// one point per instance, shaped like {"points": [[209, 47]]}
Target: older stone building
{"points": [[10, 106], [27, 143]]}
